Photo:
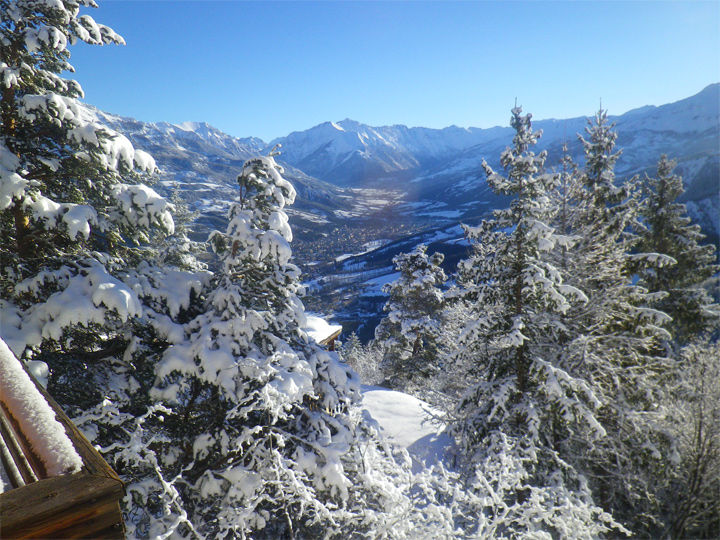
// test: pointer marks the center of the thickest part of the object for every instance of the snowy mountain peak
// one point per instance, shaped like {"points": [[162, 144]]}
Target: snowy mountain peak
{"points": [[202, 129], [352, 125], [195, 126]]}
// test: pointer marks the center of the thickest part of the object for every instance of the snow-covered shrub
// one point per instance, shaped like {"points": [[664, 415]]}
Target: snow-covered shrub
{"points": [[691, 482], [449, 384], [365, 359]]}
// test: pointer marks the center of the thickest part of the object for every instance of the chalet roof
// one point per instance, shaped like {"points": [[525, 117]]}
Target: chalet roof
{"points": [[320, 330]]}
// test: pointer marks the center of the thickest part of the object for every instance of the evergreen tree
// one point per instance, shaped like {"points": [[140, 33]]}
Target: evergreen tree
{"points": [[615, 339], [668, 231], [71, 225], [73, 218], [517, 424], [565, 198], [85, 285], [255, 423], [409, 330]]}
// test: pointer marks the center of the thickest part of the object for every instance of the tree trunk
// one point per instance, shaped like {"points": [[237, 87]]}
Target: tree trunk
{"points": [[9, 125]]}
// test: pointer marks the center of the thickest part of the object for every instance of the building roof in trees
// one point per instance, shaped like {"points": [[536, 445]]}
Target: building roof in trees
{"points": [[320, 330]]}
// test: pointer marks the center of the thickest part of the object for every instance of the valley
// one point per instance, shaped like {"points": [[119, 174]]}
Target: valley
{"points": [[368, 193]]}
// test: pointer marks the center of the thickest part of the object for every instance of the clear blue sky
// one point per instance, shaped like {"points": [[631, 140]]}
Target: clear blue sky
{"points": [[266, 69]]}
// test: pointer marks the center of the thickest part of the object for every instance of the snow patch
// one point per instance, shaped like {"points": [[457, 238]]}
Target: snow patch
{"points": [[408, 422]]}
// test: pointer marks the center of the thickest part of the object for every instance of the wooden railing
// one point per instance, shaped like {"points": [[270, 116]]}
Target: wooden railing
{"points": [[84, 504]]}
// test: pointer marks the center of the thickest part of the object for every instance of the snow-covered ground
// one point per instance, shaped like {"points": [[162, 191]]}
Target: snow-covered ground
{"points": [[408, 422]]}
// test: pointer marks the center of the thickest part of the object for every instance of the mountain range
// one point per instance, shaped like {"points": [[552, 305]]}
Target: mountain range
{"points": [[366, 193]]}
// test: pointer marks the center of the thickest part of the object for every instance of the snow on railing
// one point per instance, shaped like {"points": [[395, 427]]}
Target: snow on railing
{"points": [[34, 418]]}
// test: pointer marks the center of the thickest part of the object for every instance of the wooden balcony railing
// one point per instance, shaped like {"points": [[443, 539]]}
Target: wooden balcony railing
{"points": [[84, 504]]}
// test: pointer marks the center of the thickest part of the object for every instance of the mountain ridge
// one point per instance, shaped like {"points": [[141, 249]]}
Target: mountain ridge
{"points": [[712, 91], [427, 171]]}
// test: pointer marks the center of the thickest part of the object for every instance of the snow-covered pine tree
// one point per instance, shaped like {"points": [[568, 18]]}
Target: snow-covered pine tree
{"points": [[615, 339], [82, 286], [668, 231], [71, 222], [516, 425], [566, 197], [74, 218], [245, 391], [408, 333], [255, 425]]}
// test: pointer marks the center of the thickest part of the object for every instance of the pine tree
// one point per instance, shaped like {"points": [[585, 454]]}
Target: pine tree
{"points": [[71, 224], [668, 231], [85, 285], [255, 424], [565, 198], [516, 425], [410, 329], [615, 339], [74, 219]]}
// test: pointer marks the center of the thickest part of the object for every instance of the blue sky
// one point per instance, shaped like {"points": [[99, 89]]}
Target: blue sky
{"points": [[266, 69]]}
